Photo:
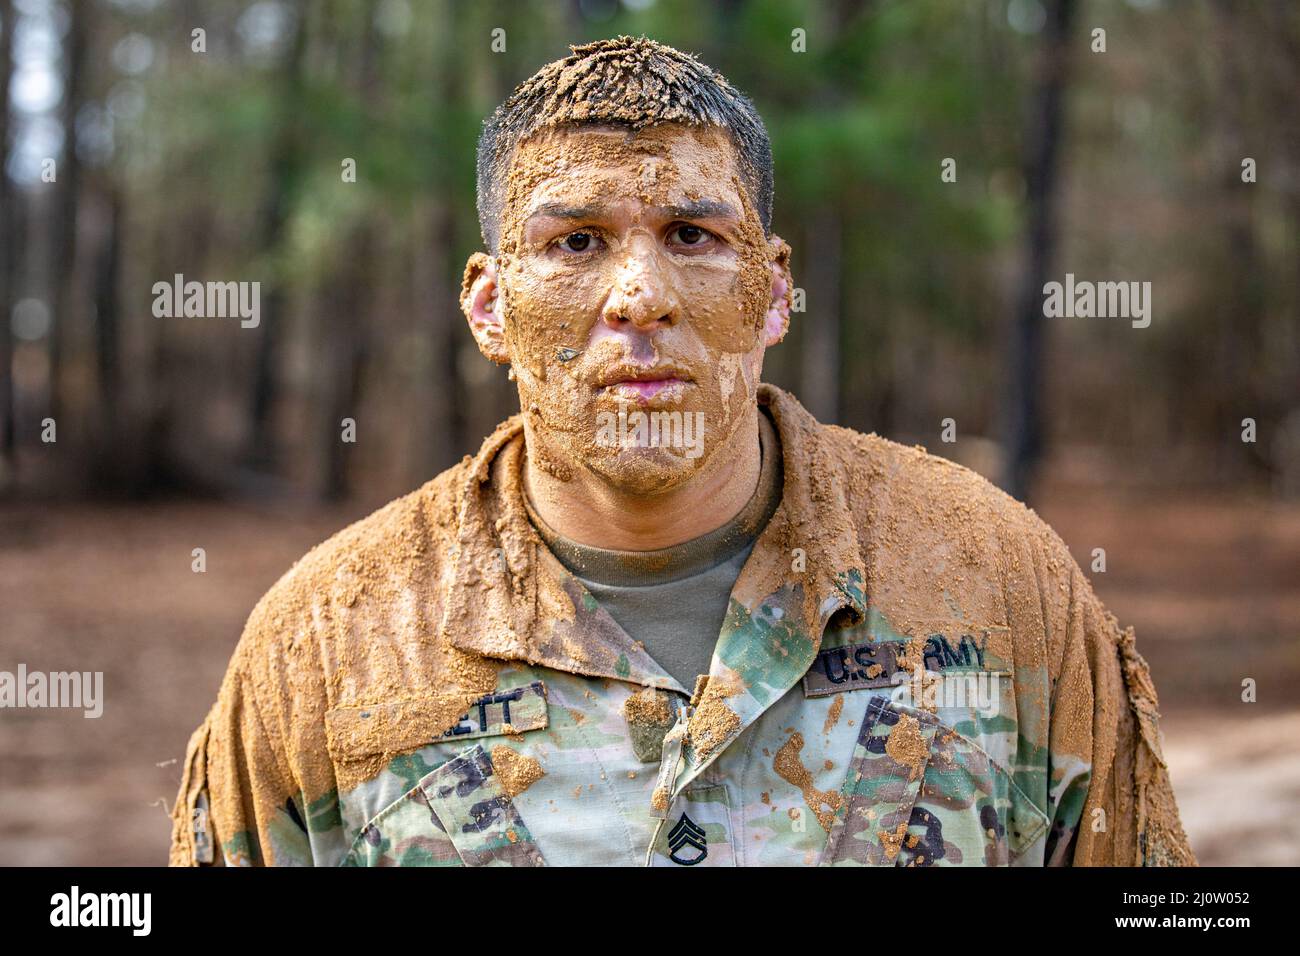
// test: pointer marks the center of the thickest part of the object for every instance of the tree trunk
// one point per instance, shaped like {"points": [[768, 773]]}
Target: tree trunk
{"points": [[1243, 389], [1024, 420], [285, 161], [65, 216], [441, 439], [108, 452], [435, 284], [9, 253], [820, 379], [347, 316], [345, 351]]}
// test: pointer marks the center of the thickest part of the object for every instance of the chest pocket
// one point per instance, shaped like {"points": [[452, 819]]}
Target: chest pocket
{"points": [[917, 793], [459, 812]]}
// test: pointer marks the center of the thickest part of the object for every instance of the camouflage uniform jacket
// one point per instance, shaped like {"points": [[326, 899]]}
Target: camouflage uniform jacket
{"points": [[431, 687]]}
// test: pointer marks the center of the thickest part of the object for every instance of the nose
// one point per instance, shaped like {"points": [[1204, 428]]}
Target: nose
{"points": [[642, 294]]}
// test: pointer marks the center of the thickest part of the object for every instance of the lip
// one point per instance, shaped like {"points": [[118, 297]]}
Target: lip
{"points": [[643, 389], [642, 384]]}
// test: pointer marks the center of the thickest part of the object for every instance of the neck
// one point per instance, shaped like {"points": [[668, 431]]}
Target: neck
{"points": [[590, 511]]}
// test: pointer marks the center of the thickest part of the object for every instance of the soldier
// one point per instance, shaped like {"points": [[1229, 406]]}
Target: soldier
{"points": [[664, 616]]}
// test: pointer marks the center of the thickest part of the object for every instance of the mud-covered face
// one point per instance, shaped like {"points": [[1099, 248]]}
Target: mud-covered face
{"points": [[633, 284]]}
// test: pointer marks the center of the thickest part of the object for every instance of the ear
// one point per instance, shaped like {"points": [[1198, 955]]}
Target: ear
{"points": [[777, 320], [478, 300]]}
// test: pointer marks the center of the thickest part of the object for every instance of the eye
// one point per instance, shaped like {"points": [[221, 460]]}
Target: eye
{"points": [[578, 242], [689, 235]]}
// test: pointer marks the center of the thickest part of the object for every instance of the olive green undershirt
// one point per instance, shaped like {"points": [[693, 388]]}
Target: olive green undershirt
{"points": [[674, 600]]}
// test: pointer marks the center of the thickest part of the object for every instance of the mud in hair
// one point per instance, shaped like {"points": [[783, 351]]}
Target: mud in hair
{"points": [[632, 82]]}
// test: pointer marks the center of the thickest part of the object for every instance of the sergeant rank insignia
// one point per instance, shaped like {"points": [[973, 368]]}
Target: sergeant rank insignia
{"points": [[687, 834]]}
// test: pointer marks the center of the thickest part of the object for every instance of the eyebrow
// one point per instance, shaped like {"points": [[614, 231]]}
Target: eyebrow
{"points": [[557, 210], [696, 209], [702, 209]]}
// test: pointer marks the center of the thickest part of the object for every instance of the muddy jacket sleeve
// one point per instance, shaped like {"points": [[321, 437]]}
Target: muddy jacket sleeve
{"points": [[1112, 802], [230, 809]]}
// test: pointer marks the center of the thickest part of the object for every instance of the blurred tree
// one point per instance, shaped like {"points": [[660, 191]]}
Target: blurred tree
{"points": [[285, 160], [923, 295], [1042, 146], [67, 198], [9, 246], [345, 346]]}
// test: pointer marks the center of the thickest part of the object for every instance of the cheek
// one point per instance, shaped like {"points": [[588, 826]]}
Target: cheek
{"points": [[722, 306], [546, 309]]}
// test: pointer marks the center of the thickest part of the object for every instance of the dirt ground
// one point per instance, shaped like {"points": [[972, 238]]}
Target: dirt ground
{"points": [[1212, 585]]}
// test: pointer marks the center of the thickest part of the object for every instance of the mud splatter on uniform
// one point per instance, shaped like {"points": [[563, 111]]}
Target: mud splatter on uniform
{"points": [[913, 671]]}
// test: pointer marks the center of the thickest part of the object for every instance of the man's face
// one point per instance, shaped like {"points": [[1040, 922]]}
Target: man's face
{"points": [[634, 276]]}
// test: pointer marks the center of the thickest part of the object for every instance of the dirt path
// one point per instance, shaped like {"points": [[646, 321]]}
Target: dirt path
{"points": [[111, 589], [1211, 584], [1238, 786]]}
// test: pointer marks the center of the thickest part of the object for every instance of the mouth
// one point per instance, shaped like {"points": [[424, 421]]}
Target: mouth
{"points": [[642, 384]]}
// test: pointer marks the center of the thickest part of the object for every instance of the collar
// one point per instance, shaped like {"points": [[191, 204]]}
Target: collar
{"points": [[509, 598]]}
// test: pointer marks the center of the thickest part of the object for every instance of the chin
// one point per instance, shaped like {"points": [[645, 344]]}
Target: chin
{"points": [[644, 471]]}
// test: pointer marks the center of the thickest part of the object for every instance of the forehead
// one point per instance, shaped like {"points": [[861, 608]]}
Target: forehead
{"points": [[662, 164]]}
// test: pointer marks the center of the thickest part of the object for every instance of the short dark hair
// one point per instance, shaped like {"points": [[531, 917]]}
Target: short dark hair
{"points": [[626, 81]]}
